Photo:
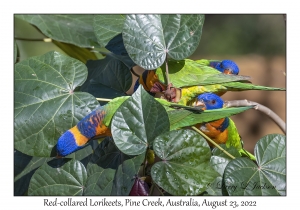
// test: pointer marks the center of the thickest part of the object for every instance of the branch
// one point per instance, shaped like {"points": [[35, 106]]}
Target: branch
{"points": [[34, 40], [259, 107], [103, 99]]}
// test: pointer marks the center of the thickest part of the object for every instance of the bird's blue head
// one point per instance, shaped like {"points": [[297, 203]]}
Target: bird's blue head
{"points": [[209, 101], [228, 67]]}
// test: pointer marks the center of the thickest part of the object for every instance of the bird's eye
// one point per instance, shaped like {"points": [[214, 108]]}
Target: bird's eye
{"points": [[213, 101]]}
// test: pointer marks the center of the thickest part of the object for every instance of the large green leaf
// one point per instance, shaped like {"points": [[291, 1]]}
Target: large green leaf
{"points": [[185, 167], [219, 161], [110, 171], [239, 86], [107, 27], [188, 72], [60, 177], [45, 102], [79, 53], [137, 122], [149, 38], [268, 177], [107, 75], [24, 168], [85, 154], [100, 181], [181, 118], [73, 29]]}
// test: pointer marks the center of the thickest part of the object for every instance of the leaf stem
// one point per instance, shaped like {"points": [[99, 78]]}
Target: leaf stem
{"points": [[211, 141], [34, 40], [167, 70], [103, 99]]}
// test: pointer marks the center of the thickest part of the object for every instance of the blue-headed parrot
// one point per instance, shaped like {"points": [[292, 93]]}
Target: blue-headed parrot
{"points": [[94, 124], [190, 78], [221, 131]]}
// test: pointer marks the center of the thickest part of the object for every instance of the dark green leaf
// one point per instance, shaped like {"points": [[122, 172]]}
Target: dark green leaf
{"points": [[185, 167], [148, 38], [108, 77], [110, 171], [100, 181], [181, 118], [45, 102], [85, 154], [79, 53], [268, 177], [137, 122], [215, 188], [73, 29], [24, 167], [107, 27], [60, 177], [219, 160]]}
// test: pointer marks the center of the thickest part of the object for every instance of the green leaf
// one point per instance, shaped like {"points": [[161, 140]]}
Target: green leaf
{"points": [[85, 154], [45, 102], [137, 122], [268, 177], [148, 38], [107, 27], [219, 160], [100, 181], [73, 29], [110, 171], [24, 168], [185, 167], [60, 177], [110, 73], [181, 118], [239, 86], [79, 53], [188, 72], [215, 188]]}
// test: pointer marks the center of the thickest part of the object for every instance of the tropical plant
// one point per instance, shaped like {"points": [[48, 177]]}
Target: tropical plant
{"points": [[152, 150]]}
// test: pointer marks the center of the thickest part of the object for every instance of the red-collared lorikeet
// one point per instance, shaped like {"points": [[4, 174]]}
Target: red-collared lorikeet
{"points": [[221, 131], [191, 78]]}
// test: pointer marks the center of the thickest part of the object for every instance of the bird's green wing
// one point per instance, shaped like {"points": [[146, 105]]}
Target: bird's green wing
{"points": [[112, 107], [206, 62], [184, 73], [234, 140], [233, 136]]}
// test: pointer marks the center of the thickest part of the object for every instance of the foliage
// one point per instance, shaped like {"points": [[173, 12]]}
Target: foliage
{"points": [[54, 91]]}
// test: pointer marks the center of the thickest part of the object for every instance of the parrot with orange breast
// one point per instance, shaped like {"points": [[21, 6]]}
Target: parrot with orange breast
{"points": [[221, 131], [191, 78]]}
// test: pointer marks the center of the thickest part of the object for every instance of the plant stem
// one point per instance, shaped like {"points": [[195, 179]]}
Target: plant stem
{"points": [[103, 99], [211, 141], [261, 108], [167, 70], [34, 40]]}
